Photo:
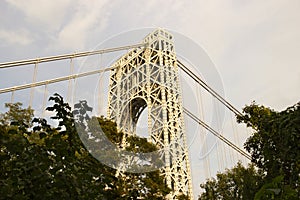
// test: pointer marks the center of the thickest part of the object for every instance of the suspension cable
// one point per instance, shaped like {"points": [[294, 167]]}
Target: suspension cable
{"points": [[70, 83], [201, 112], [220, 146], [55, 80], [234, 128], [89, 53], [33, 81], [208, 88], [12, 98], [215, 133], [45, 100], [68, 56]]}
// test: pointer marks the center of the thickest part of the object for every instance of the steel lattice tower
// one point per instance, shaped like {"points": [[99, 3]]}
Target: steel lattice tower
{"points": [[148, 77]]}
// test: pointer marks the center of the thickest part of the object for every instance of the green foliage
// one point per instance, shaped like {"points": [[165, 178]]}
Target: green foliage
{"points": [[276, 189], [182, 197], [16, 116], [148, 185], [274, 149], [237, 183], [110, 128], [46, 162], [275, 145], [53, 165]]}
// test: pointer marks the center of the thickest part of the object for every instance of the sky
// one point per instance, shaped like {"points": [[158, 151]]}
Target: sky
{"points": [[254, 45]]}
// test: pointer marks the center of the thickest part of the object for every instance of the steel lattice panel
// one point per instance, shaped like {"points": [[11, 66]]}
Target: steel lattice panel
{"points": [[148, 77]]}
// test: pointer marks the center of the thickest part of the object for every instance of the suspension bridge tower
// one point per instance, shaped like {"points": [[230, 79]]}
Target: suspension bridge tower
{"points": [[148, 77]]}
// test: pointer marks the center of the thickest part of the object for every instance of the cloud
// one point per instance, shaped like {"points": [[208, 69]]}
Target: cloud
{"points": [[15, 37], [88, 17], [249, 42], [128, 15], [46, 14], [254, 44], [62, 25]]}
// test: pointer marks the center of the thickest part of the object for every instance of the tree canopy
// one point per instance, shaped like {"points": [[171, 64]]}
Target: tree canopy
{"points": [[237, 183], [274, 148], [39, 161]]}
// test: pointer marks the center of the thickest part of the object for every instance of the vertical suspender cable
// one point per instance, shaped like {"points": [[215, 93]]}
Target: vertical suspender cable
{"points": [[12, 97], [206, 163], [33, 81], [195, 135], [70, 81], [230, 152], [235, 135], [45, 100], [223, 150], [215, 133], [100, 89], [218, 147]]}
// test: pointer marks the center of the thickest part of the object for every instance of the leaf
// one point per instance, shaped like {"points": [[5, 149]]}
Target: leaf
{"points": [[35, 120], [75, 112], [89, 109], [36, 128], [42, 135], [50, 108], [77, 105], [14, 123]]}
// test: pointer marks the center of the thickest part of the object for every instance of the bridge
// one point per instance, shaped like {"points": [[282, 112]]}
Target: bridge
{"points": [[145, 80]]}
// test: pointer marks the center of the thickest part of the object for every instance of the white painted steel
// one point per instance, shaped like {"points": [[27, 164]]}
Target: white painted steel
{"points": [[148, 77]]}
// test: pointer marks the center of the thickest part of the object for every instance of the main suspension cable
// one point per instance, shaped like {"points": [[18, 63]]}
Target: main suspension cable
{"points": [[208, 88], [55, 80], [215, 133], [68, 56]]}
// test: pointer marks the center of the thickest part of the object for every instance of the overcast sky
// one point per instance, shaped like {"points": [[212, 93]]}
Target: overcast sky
{"points": [[255, 45]]}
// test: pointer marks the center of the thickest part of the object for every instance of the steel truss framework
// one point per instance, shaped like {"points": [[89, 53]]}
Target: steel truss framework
{"points": [[148, 77]]}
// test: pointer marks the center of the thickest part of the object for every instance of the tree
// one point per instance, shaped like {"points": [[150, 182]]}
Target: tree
{"points": [[16, 117], [18, 165], [237, 183], [149, 185], [39, 161], [52, 165], [274, 149]]}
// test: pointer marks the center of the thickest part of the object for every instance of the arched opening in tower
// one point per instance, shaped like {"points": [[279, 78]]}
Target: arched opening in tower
{"points": [[142, 125], [139, 117]]}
